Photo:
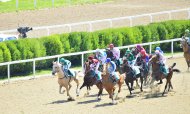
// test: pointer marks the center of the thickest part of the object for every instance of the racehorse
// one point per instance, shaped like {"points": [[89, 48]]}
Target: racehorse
{"points": [[109, 85], [186, 50], [65, 81], [129, 76], [158, 75], [90, 80], [144, 69]]}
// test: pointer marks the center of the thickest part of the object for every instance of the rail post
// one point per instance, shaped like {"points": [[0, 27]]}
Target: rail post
{"points": [[34, 69], [8, 72], [172, 48]]}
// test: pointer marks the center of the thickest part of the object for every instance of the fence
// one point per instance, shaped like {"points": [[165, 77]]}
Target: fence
{"points": [[92, 25], [82, 54]]}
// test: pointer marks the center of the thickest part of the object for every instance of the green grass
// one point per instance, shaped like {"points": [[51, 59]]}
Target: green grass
{"points": [[10, 6]]}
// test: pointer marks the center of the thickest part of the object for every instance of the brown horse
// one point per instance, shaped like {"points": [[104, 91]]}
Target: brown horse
{"points": [[186, 50], [109, 85], [158, 75], [65, 81], [90, 80]]}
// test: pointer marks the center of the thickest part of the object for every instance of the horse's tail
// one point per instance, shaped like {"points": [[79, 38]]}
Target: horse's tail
{"points": [[174, 70], [174, 64]]}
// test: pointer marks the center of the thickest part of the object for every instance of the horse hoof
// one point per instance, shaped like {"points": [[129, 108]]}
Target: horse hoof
{"points": [[98, 98], [77, 95], [71, 99], [114, 103]]}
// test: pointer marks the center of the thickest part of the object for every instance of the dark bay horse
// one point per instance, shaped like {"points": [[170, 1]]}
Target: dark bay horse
{"points": [[144, 69], [158, 75], [90, 80], [129, 76]]}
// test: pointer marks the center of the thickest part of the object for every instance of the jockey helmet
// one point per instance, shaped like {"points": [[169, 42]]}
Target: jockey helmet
{"points": [[128, 51], [108, 60], [62, 60], [90, 57], [111, 46], [94, 60], [158, 48], [186, 31], [97, 50], [143, 52], [138, 46]]}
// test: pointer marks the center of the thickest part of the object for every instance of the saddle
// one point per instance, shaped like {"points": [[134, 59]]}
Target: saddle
{"points": [[69, 73], [114, 77]]}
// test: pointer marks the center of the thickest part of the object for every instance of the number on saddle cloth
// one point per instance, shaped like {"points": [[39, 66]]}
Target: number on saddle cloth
{"points": [[136, 70]]}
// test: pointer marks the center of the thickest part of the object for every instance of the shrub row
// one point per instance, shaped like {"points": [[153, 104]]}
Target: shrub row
{"points": [[81, 41]]}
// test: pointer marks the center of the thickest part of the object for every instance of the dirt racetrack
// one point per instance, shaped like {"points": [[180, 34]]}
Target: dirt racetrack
{"points": [[41, 96], [73, 14]]}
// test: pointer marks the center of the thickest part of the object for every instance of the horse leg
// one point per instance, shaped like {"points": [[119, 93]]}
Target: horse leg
{"points": [[60, 87], [129, 88], [110, 91], [141, 78], [132, 85], [137, 84], [67, 89], [77, 89], [100, 87], [165, 87]]}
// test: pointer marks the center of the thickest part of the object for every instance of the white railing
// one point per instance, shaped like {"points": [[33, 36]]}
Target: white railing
{"points": [[82, 54], [90, 24]]}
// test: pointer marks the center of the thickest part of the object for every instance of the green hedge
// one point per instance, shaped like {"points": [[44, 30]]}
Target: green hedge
{"points": [[82, 41]]}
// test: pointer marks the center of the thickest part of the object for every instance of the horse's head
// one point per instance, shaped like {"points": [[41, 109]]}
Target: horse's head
{"points": [[104, 69], [125, 66], [56, 68], [154, 58], [86, 67], [134, 51]]}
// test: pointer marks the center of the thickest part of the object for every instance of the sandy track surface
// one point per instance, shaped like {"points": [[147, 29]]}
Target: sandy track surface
{"points": [[41, 96], [116, 8]]}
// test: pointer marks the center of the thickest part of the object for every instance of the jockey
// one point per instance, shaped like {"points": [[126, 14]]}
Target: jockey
{"points": [[187, 35], [161, 61], [116, 54], [111, 69], [129, 57], [139, 48], [101, 56], [159, 49], [94, 67], [144, 57], [90, 59], [66, 64]]}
